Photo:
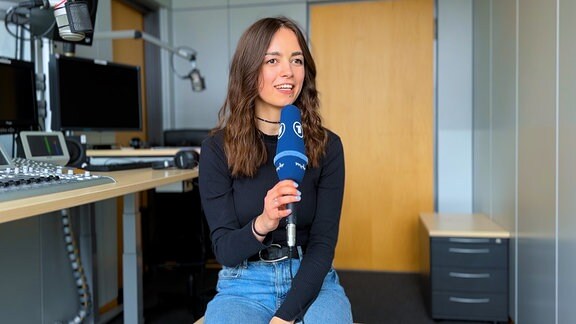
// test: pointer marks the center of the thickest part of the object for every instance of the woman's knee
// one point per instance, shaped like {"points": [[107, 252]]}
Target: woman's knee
{"points": [[330, 307], [230, 309]]}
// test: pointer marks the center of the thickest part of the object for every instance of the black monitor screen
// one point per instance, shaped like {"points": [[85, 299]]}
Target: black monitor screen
{"points": [[94, 95], [18, 106]]}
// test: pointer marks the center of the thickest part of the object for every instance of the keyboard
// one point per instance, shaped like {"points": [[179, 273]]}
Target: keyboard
{"points": [[118, 166]]}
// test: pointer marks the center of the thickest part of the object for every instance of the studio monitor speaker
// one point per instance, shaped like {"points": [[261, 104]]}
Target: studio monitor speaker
{"points": [[77, 150]]}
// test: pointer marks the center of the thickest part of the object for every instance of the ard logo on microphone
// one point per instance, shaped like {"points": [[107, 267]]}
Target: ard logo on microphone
{"points": [[296, 127]]}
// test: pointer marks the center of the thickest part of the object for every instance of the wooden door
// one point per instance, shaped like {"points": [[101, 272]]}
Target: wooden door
{"points": [[127, 51], [130, 51], [375, 77]]}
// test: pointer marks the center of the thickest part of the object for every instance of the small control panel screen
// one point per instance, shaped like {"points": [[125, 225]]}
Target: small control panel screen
{"points": [[45, 145]]}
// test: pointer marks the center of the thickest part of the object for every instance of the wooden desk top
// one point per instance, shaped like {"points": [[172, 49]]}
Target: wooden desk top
{"points": [[461, 225], [128, 181], [130, 152]]}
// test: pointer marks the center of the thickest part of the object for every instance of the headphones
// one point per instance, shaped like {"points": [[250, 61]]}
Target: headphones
{"points": [[186, 159]]}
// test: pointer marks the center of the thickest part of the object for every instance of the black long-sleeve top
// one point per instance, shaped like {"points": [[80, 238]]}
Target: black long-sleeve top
{"points": [[231, 203]]}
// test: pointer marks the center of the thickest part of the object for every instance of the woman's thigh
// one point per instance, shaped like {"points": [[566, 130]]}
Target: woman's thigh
{"points": [[243, 296], [331, 305], [226, 309]]}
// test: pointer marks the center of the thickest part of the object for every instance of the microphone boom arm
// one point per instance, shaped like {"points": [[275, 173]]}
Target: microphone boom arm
{"points": [[137, 34], [187, 54]]}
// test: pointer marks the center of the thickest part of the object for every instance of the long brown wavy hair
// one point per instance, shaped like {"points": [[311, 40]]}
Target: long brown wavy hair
{"points": [[243, 144]]}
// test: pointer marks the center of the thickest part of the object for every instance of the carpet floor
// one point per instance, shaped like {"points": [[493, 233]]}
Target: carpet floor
{"points": [[376, 297]]}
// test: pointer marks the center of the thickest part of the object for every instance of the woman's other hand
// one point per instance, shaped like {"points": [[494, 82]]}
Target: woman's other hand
{"points": [[278, 320]]}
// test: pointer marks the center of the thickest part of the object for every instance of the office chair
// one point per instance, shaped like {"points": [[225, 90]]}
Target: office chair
{"points": [[180, 243], [185, 137]]}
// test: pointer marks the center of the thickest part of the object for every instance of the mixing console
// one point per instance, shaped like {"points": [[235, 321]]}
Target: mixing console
{"points": [[26, 178]]}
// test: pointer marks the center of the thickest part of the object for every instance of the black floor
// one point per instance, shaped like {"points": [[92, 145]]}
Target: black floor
{"points": [[376, 297], [178, 295]]}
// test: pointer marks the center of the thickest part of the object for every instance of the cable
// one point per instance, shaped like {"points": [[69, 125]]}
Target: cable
{"points": [[194, 75], [192, 60], [290, 262], [77, 270], [14, 143], [20, 17], [291, 274]]}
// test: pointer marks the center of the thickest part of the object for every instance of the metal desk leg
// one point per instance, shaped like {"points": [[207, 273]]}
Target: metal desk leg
{"points": [[132, 260]]}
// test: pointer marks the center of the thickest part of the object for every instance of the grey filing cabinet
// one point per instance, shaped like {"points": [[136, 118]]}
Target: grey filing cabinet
{"points": [[465, 267]]}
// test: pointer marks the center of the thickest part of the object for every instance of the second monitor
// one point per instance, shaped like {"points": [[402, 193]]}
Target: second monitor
{"points": [[94, 95]]}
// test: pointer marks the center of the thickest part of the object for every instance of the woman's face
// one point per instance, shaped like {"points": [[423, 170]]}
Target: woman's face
{"points": [[282, 73]]}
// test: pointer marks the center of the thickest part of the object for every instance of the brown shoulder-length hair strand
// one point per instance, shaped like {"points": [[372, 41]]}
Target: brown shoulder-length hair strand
{"points": [[245, 149]]}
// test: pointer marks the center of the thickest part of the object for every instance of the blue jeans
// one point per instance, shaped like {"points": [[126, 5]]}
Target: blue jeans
{"points": [[252, 292]]}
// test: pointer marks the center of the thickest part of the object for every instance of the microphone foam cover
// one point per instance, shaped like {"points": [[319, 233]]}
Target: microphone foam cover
{"points": [[290, 159]]}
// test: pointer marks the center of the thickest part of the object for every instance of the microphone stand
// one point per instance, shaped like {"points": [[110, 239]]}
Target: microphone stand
{"points": [[291, 233]]}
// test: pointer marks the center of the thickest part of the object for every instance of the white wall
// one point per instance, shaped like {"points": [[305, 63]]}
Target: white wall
{"points": [[566, 177], [213, 29], [454, 107], [525, 102]]}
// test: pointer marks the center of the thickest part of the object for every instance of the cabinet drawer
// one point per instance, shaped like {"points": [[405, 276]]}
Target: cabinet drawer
{"points": [[469, 279], [471, 306], [464, 252]]}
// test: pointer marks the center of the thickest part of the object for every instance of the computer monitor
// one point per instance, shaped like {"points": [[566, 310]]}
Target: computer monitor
{"points": [[45, 147], [18, 105], [94, 95]]}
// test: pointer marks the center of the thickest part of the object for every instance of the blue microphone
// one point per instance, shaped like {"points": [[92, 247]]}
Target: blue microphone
{"points": [[290, 159]]}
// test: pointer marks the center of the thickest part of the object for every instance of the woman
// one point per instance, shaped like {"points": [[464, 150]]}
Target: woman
{"points": [[262, 281]]}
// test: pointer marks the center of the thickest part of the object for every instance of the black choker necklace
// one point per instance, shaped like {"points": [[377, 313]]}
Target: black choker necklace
{"points": [[268, 121]]}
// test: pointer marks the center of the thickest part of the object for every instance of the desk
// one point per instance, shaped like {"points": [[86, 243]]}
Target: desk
{"points": [[133, 153], [150, 155], [128, 184]]}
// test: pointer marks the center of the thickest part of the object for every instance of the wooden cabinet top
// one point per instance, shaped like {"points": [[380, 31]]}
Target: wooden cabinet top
{"points": [[461, 225]]}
